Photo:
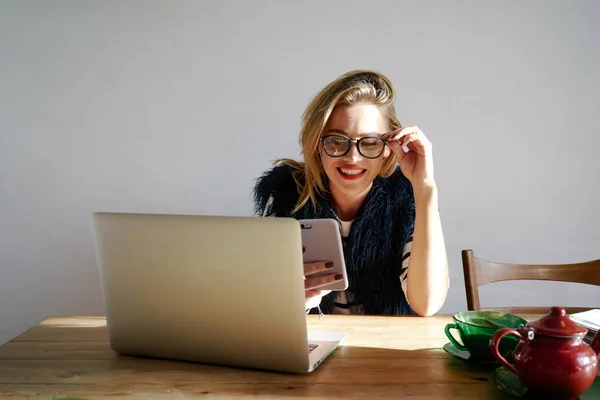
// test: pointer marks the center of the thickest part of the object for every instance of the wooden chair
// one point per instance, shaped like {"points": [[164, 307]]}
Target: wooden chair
{"points": [[480, 272]]}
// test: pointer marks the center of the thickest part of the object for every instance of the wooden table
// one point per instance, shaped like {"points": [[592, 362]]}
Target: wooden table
{"points": [[383, 357]]}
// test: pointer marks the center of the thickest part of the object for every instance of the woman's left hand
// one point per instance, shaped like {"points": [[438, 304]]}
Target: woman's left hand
{"points": [[417, 163]]}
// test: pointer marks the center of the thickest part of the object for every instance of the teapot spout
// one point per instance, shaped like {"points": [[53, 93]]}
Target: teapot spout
{"points": [[595, 345]]}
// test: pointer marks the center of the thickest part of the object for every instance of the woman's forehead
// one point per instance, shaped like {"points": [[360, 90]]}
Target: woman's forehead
{"points": [[357, 120]]}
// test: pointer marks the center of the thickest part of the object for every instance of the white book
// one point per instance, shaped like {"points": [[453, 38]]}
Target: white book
{"points": [[588, 319]]}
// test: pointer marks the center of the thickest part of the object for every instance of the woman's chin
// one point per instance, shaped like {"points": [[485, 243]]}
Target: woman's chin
{"points": [[353, 188]]}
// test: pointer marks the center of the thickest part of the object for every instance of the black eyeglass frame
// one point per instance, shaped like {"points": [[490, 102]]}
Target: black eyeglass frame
{"points": [[356, 141]]}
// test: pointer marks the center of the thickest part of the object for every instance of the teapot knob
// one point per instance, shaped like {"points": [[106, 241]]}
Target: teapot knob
{"points": [[558, 311]]}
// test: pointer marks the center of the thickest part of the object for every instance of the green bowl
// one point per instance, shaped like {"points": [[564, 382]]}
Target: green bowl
{"points": [[476, 328]]}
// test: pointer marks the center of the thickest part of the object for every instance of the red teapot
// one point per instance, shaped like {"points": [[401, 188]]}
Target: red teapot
{"points": [[551, 358]]}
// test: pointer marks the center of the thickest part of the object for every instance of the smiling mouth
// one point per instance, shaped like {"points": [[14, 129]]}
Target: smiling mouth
{"points": [[351, 174]]}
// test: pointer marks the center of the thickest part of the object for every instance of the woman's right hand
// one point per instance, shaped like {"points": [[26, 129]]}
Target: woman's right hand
{"points": [[313, 283]]}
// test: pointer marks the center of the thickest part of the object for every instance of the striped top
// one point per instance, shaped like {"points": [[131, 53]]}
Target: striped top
{"points": [[343, 301]]}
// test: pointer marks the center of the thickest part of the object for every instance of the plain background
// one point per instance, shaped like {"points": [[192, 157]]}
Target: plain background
{"points": [[178, 106]]}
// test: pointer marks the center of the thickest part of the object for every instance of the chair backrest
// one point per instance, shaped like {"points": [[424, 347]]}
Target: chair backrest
{"points": [[480, 272]]}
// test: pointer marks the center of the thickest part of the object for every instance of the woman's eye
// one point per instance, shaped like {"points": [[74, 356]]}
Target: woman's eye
{"points": [[337, 142], [369, 142]]}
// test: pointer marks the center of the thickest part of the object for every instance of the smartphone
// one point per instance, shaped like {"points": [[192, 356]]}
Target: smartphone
{"points": [[323, 242]]}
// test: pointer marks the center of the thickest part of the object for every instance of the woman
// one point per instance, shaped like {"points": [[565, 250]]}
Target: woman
{"points": [[375, 177]]}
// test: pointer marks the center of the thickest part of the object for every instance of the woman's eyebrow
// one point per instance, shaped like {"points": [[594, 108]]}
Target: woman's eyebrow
{"points": [[341, 132], [337, 131]]}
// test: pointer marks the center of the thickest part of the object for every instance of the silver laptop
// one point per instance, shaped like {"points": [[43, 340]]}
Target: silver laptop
{"points": [[210, 289]]}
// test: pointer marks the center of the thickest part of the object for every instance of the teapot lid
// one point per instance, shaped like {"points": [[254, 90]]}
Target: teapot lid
{"points": [[557, 324]]}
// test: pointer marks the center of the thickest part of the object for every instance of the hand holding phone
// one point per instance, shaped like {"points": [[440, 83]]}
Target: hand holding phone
{"points": [[318, 274], [312, 283], [324, 265]]}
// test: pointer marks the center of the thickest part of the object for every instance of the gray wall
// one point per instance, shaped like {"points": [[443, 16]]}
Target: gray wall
{"points": [[176, 107]]}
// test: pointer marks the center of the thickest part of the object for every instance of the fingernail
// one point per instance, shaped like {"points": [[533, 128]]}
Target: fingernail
{"points": [[329, 264], [338, 277]]}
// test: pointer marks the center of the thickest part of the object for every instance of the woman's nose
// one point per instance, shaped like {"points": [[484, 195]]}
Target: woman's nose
{"points": [[353, 153]]}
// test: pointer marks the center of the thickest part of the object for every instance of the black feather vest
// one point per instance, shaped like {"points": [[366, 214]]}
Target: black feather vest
{"points": [[377, 236]]}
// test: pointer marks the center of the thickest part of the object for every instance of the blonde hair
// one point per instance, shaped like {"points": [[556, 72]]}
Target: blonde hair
{"points": [[359, 87]]}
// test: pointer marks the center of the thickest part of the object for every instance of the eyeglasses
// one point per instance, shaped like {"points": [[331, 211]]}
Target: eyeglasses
{"points": [[339, 145]]}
